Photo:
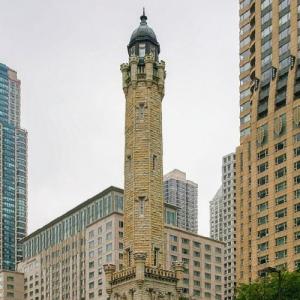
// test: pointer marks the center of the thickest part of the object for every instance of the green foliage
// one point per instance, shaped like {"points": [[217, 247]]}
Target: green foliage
{"points": [[276, 286]]}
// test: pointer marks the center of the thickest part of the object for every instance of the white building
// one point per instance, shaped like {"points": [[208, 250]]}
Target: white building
{"points": [[223, 220], [182, 194]]}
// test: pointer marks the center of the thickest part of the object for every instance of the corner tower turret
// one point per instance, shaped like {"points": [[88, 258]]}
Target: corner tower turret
{"points": [[143, 41], [143, 85]]}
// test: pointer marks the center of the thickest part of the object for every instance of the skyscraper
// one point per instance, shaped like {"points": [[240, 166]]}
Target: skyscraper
{"points": [[183, 194], [144, 276], [13, 171], [268, 178], [223, 221]]}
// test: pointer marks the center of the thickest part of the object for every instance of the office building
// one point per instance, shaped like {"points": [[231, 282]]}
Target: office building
{"points": [[268, 158], [11, 285], [13, 171], [223, 222], [183, 194]]}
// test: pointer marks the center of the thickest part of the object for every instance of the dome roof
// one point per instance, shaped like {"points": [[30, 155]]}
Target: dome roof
{"points": [[143, 33]]}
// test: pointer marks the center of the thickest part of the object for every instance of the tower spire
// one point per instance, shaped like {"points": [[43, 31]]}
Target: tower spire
{"points": [[143, 17]]}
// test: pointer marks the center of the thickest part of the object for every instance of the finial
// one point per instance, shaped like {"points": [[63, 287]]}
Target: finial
{"points": [[143, 17]]}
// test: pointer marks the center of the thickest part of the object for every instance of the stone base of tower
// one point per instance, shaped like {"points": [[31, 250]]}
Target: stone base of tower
{"points": [[141, 282]]}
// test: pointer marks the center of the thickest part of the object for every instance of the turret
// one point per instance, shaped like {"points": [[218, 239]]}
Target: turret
{"points": [[143, 41]]}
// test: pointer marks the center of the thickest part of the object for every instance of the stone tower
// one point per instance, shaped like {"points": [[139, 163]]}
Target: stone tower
{"points": [[143, 85], [144, 275]]}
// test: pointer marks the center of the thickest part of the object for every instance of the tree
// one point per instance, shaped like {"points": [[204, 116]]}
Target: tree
{"points": [[278, 285]]}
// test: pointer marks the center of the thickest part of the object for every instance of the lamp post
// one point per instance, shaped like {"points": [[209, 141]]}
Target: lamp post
{"points": [[273, 270]]}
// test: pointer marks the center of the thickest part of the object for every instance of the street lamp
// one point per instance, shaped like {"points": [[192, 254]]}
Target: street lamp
{"points": [[274, 270]]}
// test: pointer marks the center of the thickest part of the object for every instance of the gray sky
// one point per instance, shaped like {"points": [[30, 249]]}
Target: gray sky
{"points": [[67, 54]]}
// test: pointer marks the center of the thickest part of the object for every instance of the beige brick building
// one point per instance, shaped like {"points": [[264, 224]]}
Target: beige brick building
{"points": [[104, 245], [11, 285], [268, 165], [57, 256], [203, 260]]}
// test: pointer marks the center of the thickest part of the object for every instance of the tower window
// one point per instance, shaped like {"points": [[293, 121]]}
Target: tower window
{"points": [[142, 50], [141, 206], [156, 252], [154, 162], [132, 50], [129, 160], [141, 110], [152, 50], [129, 256]]}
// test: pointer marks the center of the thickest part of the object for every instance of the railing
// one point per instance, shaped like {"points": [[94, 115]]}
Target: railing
{"points": [[160, 273], [150, 272], [123, 275]]}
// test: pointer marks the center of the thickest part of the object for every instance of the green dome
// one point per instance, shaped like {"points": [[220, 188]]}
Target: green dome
{"points": [[143, 33]]}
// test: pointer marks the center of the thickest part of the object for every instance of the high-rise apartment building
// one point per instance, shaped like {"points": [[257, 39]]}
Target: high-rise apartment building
{"points": [[65, 259], [13, 171], [183, 194], [268, 160], [223, 221]]}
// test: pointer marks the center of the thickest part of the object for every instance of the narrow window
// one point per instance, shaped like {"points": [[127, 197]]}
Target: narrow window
{"points": [[141, 110], [142, 50], [141, 206], [129, 256], [132, 50], [129, 160], [154, 162], [156, 252]]}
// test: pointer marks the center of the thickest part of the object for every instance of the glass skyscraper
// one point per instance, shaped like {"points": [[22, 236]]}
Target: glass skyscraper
{"points": [[13, 171]]}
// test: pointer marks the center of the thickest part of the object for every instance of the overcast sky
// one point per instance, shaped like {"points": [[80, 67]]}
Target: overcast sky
{"points": [[68, 53]]}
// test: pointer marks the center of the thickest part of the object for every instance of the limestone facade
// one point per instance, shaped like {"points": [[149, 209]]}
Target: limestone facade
{"points": [[144, 275], [143, 193]]}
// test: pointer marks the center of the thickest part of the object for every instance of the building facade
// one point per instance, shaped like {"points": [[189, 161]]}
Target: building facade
{"points": [[65, 259], [268, 203], [58, 257], [216, 216], [223, 221], [203, 260], [13, 171], [104, 245], [183, 194], [11, 285]]}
